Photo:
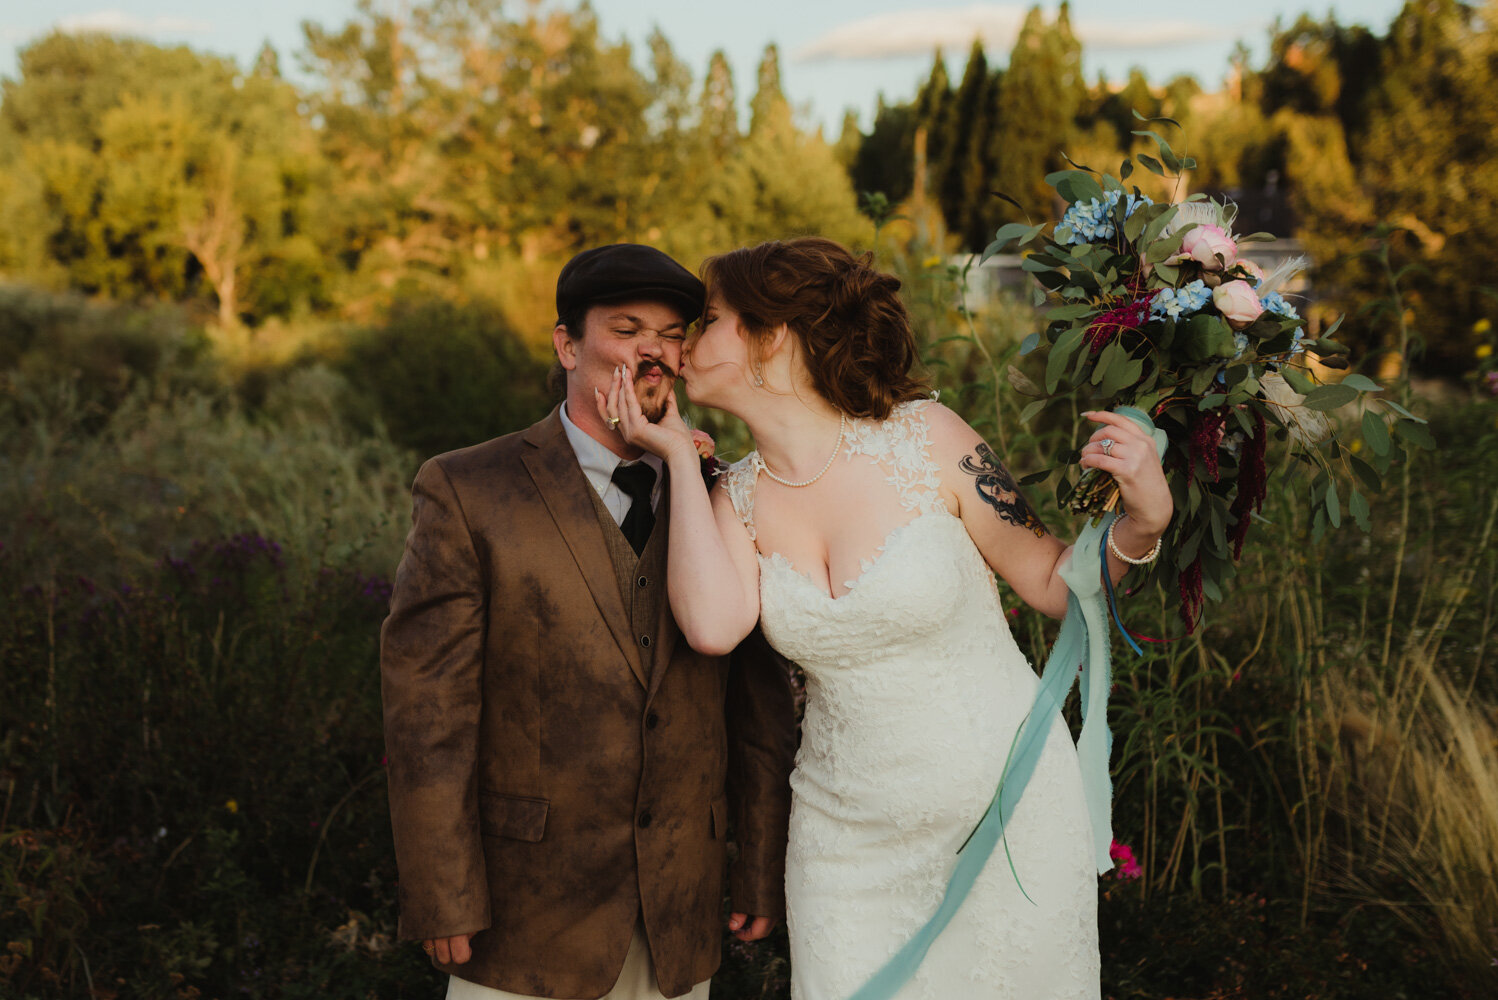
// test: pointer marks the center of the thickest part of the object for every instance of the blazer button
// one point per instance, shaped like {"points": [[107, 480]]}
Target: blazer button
{"points": [[644, 819], [645, 641], [643, 582], [652, 720]]}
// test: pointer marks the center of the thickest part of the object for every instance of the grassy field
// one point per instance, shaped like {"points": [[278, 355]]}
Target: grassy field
{"points": [[196, 549]]}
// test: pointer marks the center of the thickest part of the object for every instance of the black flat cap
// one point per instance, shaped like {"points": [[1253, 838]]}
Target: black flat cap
{"points": [[627, 271]]}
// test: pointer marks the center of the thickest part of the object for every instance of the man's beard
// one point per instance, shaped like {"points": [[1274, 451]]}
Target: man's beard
{"points": [[654, 408]]}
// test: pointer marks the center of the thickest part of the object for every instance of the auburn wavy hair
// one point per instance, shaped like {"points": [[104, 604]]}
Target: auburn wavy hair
{"points": [[853, 329]]}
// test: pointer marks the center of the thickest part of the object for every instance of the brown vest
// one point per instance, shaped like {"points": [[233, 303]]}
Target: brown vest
{"points": [[642, 578]]}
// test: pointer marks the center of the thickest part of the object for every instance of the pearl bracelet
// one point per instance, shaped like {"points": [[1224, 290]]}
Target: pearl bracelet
{"points": [[1148, 558]]}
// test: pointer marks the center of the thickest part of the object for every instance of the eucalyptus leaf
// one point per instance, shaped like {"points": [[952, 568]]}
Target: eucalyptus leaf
{"points": [[1416, 434], [1032, 409], [1166, 153], [1125, 169], [1357, 506], [1375, 432], [1151, 164], [1362, 383], [1333, 505], [1029, 344], [1330, 397], [1297, 379], [1402, 411], [1061, 355], [1365, 473]]}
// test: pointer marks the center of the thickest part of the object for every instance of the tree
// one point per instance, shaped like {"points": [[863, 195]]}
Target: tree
{"points": [[717, 108], [160, 170], [768, 108], [1037, 110]]}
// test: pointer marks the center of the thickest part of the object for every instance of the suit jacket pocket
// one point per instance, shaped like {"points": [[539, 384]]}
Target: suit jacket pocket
{"points": [[512, 816], [718, 815]]}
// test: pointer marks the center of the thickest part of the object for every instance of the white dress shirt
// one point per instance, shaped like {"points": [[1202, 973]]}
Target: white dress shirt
{"points": [[598, 464]]}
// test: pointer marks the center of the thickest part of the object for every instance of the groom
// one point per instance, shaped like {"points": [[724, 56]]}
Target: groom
{"points": [[562, 767]]}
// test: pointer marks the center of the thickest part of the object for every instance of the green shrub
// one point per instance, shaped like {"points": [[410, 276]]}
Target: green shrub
{"points": [[440, 376]]}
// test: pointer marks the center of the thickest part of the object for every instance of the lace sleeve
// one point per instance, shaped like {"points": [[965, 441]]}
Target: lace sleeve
{"points": [[739, 482], [901, 445]]}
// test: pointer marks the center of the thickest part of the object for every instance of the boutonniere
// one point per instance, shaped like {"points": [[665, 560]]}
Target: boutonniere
{"points": [[712, 468]]}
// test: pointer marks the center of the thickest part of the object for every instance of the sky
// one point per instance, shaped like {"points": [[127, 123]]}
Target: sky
{"points": [[835, 54]]}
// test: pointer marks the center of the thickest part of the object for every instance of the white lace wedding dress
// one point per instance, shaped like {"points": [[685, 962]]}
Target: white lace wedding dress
{"points": [[915, 690]]}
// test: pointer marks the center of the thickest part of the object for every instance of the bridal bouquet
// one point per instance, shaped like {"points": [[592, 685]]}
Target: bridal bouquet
{"points": [[1153, 305]]}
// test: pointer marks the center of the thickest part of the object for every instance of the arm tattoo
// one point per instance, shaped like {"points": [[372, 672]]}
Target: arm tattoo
{"points": [[999, 490]]}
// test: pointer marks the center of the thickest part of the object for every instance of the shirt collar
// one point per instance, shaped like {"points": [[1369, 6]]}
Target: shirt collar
{"points": [[597, 461]]}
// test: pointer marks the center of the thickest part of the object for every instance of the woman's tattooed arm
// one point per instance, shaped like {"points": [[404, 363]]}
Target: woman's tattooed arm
{"points": [[999, 490]]}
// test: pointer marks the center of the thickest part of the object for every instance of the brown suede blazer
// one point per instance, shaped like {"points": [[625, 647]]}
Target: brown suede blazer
{"points": [[553, 776]]}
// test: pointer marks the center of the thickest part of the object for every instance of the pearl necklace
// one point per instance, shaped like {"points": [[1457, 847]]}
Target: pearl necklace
{"points": [[842, 428]]}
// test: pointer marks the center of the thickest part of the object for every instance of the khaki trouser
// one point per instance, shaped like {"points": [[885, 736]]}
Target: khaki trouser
{"points": [[636, 981]]}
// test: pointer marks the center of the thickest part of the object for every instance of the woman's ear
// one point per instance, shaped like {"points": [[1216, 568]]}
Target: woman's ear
{"points": [[779, 337]]}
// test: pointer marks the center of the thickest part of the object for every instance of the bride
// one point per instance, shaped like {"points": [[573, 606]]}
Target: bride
{"points": [[863, 535]]}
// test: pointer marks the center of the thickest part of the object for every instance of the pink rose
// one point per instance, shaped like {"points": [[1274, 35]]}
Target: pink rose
{"points": [[1252, 272], [1237, 303], [1209, 246]]}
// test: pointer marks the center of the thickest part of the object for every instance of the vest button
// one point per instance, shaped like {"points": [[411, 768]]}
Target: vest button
{"points": [[643, 582], [644, 819], [652, 720], [645, 641]]}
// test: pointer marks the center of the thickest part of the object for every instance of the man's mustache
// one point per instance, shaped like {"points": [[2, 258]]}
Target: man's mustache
{"points": [[646, 367]]}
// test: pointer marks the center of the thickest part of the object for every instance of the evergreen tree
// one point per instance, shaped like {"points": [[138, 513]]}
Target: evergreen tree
{"points": [[849, 140], [1037, 108], [933, 112], [718, 109], [768, 108], [967, 141], [884, 162]]}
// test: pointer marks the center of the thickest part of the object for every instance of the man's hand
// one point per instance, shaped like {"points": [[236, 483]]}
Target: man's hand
{"points": [[449, 950], [747, 928]]}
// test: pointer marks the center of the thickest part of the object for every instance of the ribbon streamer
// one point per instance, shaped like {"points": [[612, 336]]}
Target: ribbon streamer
{"points": [[1083, 641]]}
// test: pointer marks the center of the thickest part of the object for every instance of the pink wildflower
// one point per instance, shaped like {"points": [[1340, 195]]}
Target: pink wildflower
{"points": [[1128, 867]]}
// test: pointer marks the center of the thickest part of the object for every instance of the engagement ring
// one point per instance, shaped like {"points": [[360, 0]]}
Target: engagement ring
{"points": [[1107, 445]]}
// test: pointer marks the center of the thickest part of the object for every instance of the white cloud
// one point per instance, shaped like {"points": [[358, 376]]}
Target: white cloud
{"points": [[117, 22], [953, 29]]}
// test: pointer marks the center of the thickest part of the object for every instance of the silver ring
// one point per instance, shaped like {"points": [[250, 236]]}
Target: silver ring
{"points": [[1107, 445]]}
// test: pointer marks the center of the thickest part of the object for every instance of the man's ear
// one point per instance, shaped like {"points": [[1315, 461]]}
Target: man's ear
{"points": [[565, 346]]}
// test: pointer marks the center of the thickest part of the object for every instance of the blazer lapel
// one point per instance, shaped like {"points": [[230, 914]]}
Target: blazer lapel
{"points": [[560, 481]]}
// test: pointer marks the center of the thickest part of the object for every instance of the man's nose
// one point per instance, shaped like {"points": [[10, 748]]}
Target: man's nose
{"points": [[651, 346]]}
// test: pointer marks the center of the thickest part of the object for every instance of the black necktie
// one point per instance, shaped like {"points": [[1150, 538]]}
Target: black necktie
{"points": [[637, 481]]}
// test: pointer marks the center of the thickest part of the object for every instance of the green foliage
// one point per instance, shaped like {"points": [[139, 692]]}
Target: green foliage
{"points": [[439, 376]]}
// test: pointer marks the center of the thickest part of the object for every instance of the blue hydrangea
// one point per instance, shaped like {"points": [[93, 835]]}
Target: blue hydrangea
{"points": [[1173, 303], [1240, 344], [1275, 302], [1091, 221], [1296, 346]]}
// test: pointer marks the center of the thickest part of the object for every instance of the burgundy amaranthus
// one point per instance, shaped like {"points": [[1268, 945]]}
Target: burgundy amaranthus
{"points": [[1191, 594], [1129, 316], [1253, 484], [1206, 435]]}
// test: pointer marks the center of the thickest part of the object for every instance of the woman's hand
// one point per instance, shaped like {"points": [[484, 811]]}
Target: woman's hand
{"points": [[621, 409], [1131, 460]]}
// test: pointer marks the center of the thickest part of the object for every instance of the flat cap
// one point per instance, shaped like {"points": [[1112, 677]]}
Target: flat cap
{"points": [[627, 271]]}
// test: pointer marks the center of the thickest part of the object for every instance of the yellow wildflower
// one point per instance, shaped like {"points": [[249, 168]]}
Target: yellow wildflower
{"points": [[232, 806], [1482, 326], [933, 261], [1483, 350], [1356, 446]]}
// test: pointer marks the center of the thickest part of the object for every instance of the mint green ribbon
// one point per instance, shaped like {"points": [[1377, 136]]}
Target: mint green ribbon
{"points": [[1083, 641]]}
